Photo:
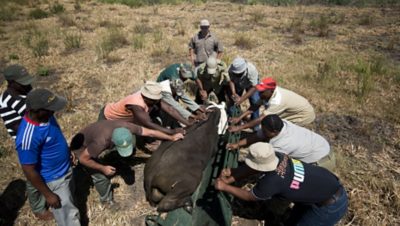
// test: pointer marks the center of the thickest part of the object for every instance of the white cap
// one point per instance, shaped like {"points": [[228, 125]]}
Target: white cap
{"points": [[204, 23], [262, 157], [211, 65]]}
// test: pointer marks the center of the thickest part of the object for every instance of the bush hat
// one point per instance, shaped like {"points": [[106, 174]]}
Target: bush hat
{"points": [[212, 65], [18, 74], [266, 83], [204, 23], [185, 71], [124, 141], [262, 157], [152, 90], [44, 99], [238, 66]]}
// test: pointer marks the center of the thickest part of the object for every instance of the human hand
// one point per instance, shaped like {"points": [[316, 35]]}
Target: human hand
{"points": [[219, 184], [179, 130], [203, 95], [177, 136], [235, 97], [74, 159], [231, 146], [108, 170], [234, 129], [53, 200], [234, 120]]}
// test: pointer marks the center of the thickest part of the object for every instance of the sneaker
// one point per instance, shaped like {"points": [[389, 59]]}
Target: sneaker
{"points": [[45, 215]]}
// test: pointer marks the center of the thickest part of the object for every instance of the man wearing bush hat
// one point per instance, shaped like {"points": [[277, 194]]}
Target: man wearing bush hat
{"points": [[95, 141], [213, 77], [286, 104], [45, 157], [204, 44], [137, 107], [177, 71], [244, 76], [319, 197]]}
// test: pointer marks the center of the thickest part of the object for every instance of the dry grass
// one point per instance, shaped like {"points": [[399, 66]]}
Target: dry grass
{"points": [[369, 167]]}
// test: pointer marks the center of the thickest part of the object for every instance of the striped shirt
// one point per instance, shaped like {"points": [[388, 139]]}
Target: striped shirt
{"points": [[12, 109]]}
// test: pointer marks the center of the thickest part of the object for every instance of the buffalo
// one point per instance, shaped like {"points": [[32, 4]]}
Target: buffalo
{"points": [[174, 170]]}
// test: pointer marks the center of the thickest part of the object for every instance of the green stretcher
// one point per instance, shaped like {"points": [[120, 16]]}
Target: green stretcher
{"points": [[210, 207]]}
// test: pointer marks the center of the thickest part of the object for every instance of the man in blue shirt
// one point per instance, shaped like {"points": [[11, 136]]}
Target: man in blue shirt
{"points": [[44, 155]]}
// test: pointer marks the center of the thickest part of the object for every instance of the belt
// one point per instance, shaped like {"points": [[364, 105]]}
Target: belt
{"points": [[332, 199]]}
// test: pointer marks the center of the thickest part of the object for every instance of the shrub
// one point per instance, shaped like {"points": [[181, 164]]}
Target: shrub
{"points": [[38, 14], [66, 20], [142, 29], [321, 26], [13, 56], [7, 13], [366, 19], [57, 8], [257, 16], [114, 39], [43, 71], [158, 36], [364, 78], [244, 42], [72, 41], [37, 42], [138, 41]]}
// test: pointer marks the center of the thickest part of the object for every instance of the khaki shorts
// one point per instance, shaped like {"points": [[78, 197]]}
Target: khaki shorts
{"points": [[328, 162]]}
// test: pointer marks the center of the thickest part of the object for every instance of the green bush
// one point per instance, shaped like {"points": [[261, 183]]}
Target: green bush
{"points": [[244, 42], [320, 25], [38, 14], [43, 71], [37, 42], [72, 41], [138, 41], [13, 56], [113, 39], [57, 8]]}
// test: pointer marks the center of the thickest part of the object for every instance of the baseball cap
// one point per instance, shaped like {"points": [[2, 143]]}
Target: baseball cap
{"points": [[212, 65], [152, 90], [266, 83], [238, 65], [204, 23], [177, 84], [124, 141], [186, 71], [18, 74], [262, 157], [44, 99]]}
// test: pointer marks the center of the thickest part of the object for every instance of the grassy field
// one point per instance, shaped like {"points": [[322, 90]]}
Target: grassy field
{"points": [[343, 59]]}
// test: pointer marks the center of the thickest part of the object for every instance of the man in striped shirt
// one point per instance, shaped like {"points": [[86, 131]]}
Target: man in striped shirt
{"points": [[12, 100]]}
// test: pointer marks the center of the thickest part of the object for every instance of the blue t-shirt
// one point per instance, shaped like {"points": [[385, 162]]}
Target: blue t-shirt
{"points": [[45, 146]]}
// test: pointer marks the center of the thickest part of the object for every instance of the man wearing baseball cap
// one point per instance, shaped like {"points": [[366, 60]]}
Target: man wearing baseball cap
{"points": [[213, 77], [319, 197], [204, 44], [93, 141], [12, 100], [45, 157], [286, 104], [244, 77]]}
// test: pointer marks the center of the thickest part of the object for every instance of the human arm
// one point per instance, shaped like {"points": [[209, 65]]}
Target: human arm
{"points": [[236, 120], [235, 191], [36, 180], [160, 135], [202, 92], [86, 160], [142, 118], [250, 124], [169, 99], [253, 138], [174, 113], [248, 93], [234, 96]]}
